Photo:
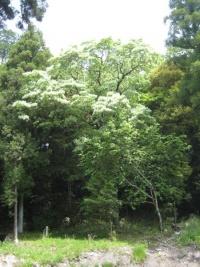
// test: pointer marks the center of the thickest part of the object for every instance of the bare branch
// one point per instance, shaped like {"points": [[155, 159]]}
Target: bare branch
{"points": [[123, 76]]}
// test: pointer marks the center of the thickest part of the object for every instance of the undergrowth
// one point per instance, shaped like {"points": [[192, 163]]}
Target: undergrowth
{"points": [[190, 233]]}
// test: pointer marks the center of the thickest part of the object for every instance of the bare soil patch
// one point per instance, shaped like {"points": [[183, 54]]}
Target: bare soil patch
{"points": [[163, 256]]}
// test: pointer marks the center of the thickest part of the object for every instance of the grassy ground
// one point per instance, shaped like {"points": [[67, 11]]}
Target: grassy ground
{"points": [[35, 249]]}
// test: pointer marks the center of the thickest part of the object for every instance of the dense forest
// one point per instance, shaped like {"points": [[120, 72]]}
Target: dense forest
{"points": [[105, 131]]}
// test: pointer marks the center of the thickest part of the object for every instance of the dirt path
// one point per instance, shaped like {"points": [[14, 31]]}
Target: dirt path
{"points": [[171, 256]]}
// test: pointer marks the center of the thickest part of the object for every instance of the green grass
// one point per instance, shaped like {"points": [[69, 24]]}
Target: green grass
{"points": [[139, 253], [33, 248], [190, 234]]}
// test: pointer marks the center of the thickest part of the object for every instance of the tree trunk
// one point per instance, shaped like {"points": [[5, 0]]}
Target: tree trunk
{"points": [[21, 214], [69, 195], [15, 217], [158, 212]]}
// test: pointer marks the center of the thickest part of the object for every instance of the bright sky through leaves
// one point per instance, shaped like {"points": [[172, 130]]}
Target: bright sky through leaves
{"points": [[69, 22]]}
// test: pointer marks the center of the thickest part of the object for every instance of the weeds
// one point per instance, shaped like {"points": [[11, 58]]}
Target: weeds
{"points": [[139, 253], [190, 235]]}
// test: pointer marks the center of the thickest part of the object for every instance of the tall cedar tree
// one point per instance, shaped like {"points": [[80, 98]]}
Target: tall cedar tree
{"points": [[27, 10]]}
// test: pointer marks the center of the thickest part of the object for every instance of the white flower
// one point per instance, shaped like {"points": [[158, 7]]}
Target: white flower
{"points": [[110, 102], [24, 117], [22, 103], [138, 110]]}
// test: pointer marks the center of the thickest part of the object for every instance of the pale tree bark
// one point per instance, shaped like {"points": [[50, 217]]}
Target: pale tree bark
{"points": [[69, 195], [152, 196], [15, 217], [21, 215], [155, 203], [159, 214]]}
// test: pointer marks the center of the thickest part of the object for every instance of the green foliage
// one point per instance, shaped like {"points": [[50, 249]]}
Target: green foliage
{"points": [[19, 152], [139, 253], [108, 65], [7, 39], [29, 52], [185, 19], [128, 151], [180, 111], [163, 89], [118, 145], [87, 137], [102, 203]]}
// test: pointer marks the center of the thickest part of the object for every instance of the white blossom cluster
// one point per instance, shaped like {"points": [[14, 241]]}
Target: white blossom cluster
{"points": [[139, 110], [43, 87], [110, 102], [22, 103], [24, 117], [83, 98]]}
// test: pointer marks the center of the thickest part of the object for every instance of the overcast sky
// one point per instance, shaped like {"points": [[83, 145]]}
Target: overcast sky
{"points": [[69, 22]]}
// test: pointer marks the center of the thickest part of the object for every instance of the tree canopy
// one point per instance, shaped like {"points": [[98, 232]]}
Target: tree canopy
{"points": [[87, 104], [184, 23], [7, 39]]}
